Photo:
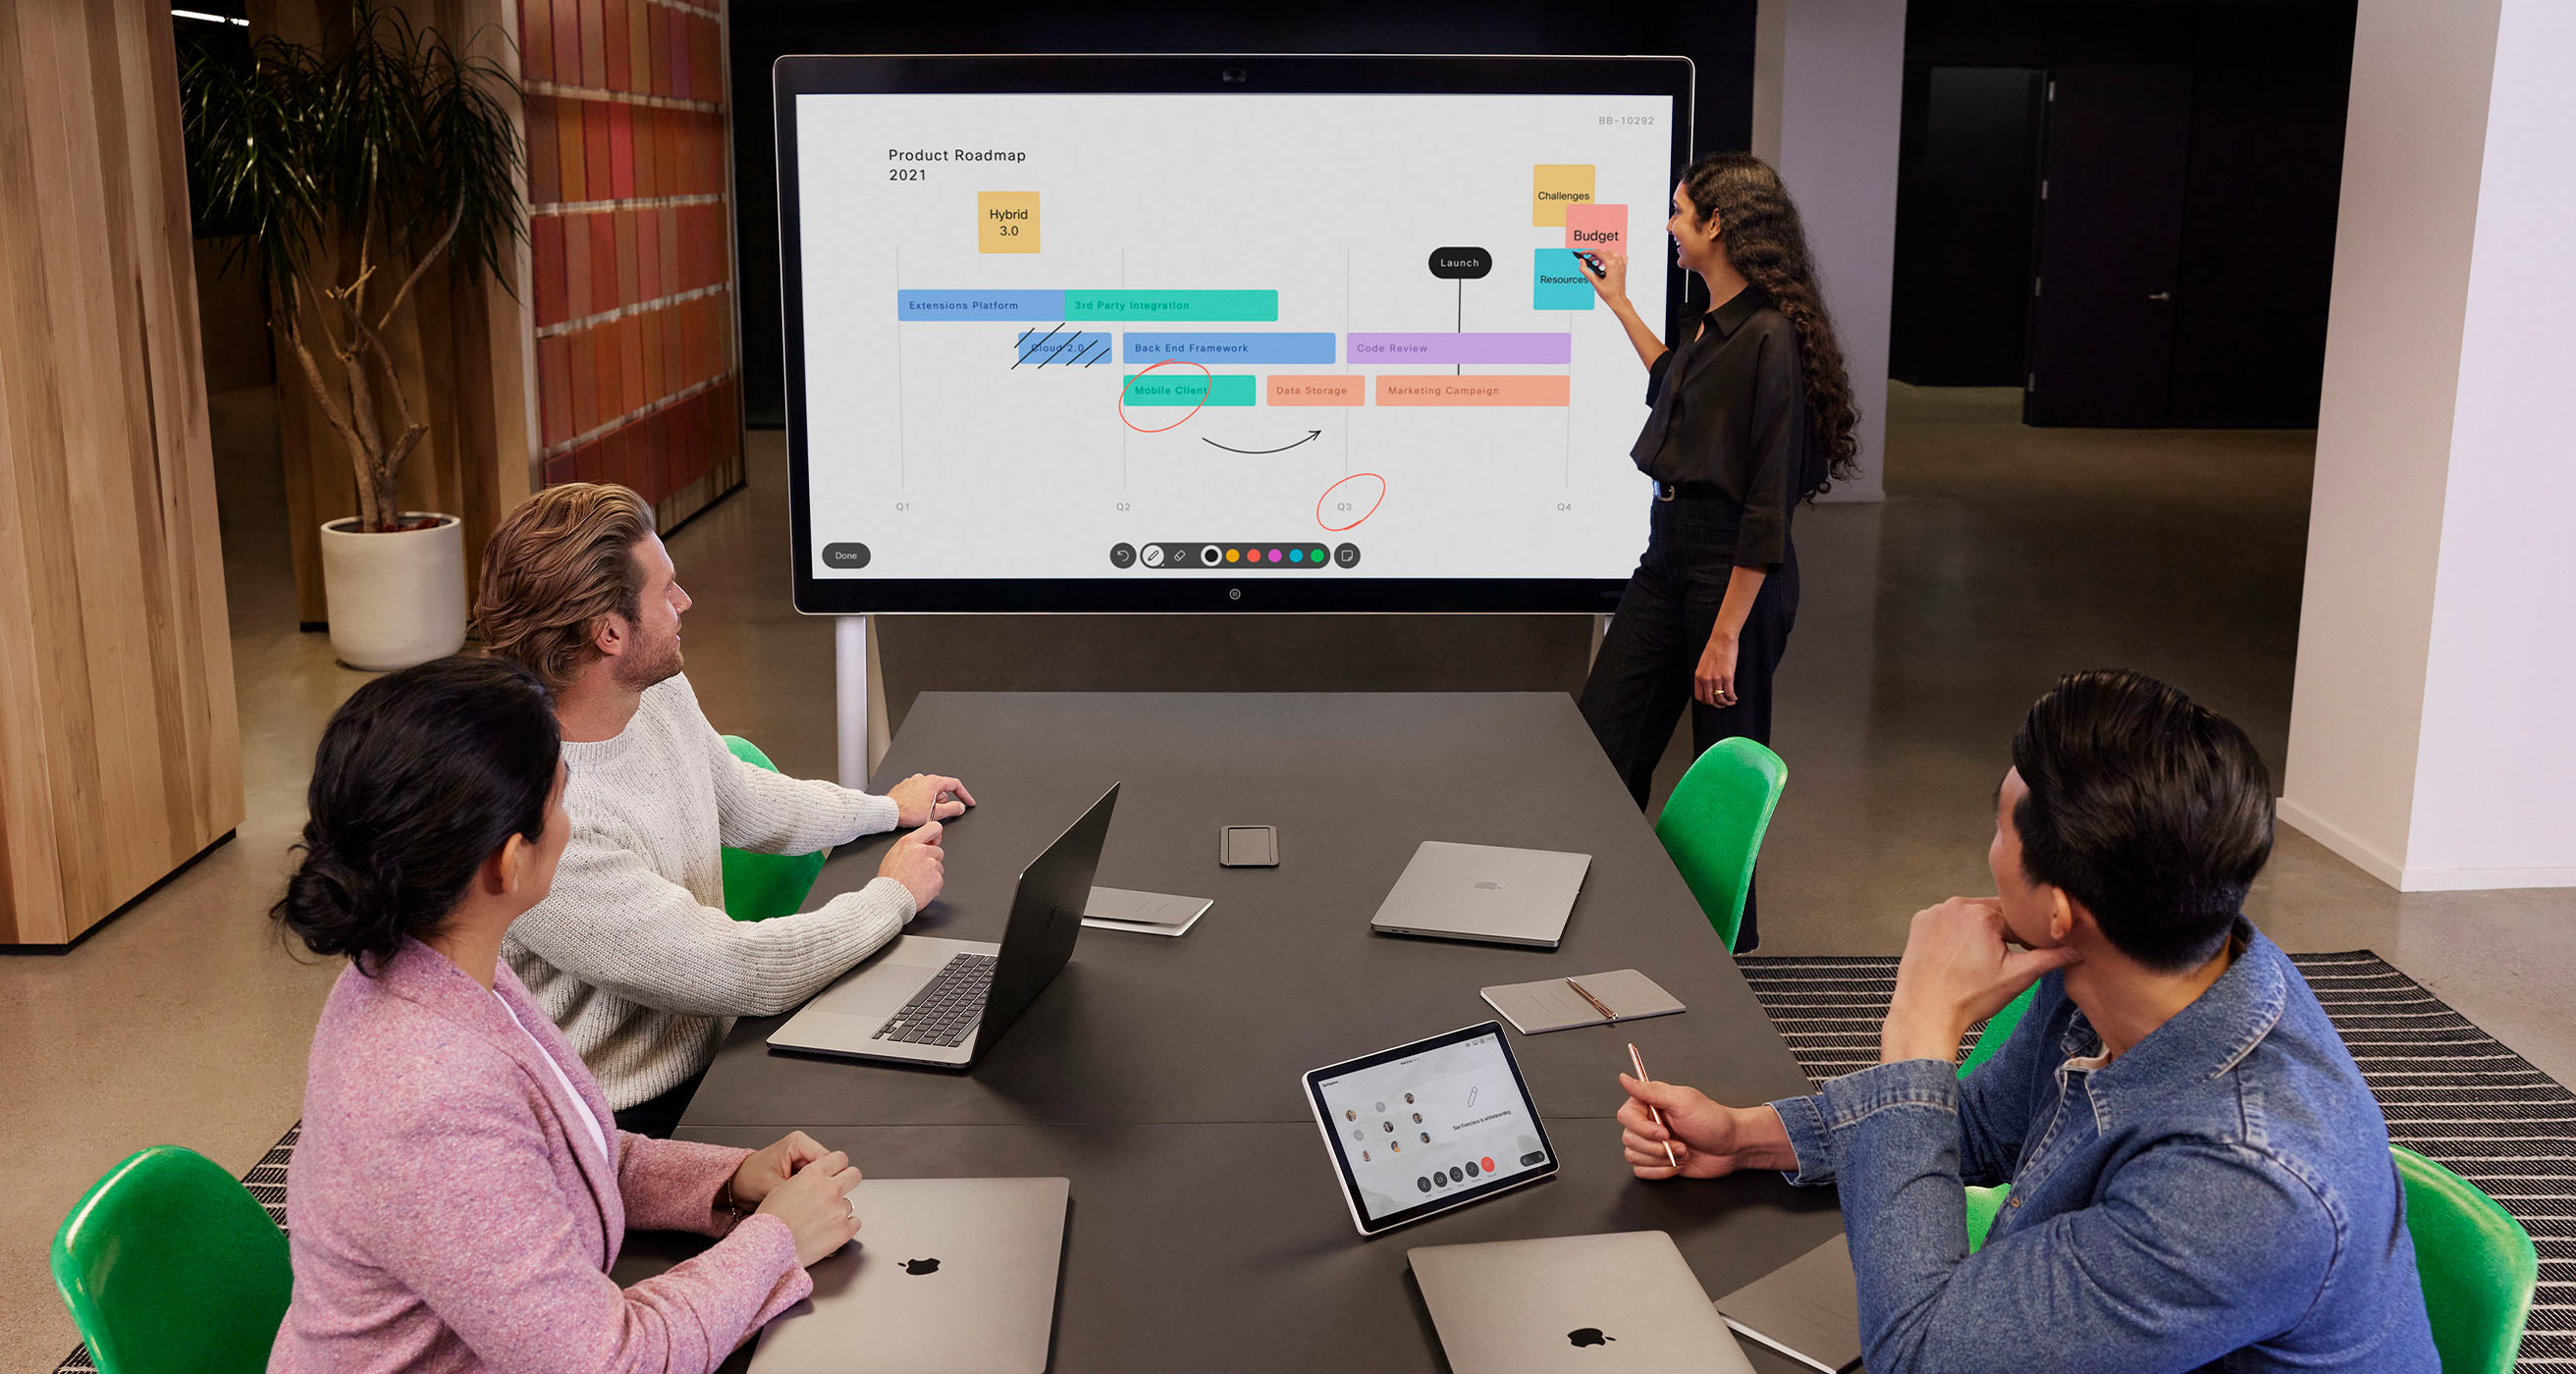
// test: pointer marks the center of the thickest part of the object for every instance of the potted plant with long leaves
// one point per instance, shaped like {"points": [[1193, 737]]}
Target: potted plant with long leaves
{"points": [[350, 171]]}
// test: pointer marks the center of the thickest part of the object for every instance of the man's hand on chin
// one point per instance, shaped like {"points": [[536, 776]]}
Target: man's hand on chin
{"points": [[1960, 967]]}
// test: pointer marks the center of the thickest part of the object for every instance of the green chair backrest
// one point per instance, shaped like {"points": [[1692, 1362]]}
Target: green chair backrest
{"points": [[759, 886], [169, 1264], [2475, 1261], [1999, 1028], [1984, 1205], [1712, 825], [2476, 1264]]}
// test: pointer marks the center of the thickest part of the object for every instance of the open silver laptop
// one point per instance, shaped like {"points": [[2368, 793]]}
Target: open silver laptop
{"points": [[948, 1276], [1626, 1301], [1480, 892], [925, 1000]]}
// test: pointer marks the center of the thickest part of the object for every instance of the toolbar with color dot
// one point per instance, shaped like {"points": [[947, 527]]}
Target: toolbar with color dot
{"points": [[1234, 555]]}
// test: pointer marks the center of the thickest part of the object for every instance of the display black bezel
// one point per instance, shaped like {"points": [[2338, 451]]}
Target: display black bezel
{"points": [[1440, 1202], [1113, 73]]}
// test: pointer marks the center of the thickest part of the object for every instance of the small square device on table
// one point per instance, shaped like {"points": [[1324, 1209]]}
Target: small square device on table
{"points": [[1248, 846]]}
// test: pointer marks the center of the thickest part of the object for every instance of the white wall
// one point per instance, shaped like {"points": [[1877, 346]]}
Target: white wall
{"points": [[1828, 91], [2495, 790], [2430, 735]]}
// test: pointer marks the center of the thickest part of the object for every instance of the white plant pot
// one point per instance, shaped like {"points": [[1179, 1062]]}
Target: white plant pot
{"points": [[394, 599]]}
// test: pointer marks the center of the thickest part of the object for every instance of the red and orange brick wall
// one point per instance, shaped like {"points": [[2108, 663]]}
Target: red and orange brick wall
{"points": [[630, 221]]}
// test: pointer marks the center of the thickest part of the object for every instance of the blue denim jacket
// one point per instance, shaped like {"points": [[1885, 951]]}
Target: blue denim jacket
{"points": [[2220, 1197]]}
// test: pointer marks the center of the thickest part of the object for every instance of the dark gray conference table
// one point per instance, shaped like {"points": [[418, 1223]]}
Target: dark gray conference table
{"points": [[1162, 1076]]}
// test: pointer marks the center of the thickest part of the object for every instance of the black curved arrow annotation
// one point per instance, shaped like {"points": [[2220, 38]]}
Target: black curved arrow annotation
{"points": [[1311, 436]]}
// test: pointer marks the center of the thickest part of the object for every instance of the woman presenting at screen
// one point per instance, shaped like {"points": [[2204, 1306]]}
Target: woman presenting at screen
{"points": [[1751, 413]]}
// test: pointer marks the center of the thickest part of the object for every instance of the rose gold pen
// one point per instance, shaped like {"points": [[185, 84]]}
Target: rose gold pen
{"points": [[1639, 1061], [1597, 1004]]}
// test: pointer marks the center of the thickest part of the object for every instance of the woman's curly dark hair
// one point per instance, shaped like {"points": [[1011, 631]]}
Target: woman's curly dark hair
{"points": [[422, 775], [1758, 225]]}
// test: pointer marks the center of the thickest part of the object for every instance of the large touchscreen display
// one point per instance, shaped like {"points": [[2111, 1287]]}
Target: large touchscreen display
{"points": [[1169, 336], [1445, 1118]]}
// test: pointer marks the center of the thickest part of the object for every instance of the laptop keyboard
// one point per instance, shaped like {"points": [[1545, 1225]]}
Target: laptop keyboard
{"points": [[948, 1007]]}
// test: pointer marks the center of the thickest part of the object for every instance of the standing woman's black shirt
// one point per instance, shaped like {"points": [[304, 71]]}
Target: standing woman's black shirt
{"points": [[1730, 414]]}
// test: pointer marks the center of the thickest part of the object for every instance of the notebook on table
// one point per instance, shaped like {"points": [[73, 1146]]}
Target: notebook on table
{"points": [[1143, 913], [1586, 999]]}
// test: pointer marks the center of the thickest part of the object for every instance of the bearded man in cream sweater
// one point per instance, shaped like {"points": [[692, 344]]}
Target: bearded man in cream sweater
{"points": [[631, 952]]}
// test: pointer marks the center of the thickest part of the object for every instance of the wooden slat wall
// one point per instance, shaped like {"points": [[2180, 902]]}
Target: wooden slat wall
{"points": [[630, 192], [120, 750]]}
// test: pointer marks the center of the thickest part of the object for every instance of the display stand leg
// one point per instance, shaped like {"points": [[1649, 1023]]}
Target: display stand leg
{"points": [[859, 696], [1600, 631]]}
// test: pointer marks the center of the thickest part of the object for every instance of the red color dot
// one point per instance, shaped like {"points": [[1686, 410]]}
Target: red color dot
{"points": [[1488, 1162]]}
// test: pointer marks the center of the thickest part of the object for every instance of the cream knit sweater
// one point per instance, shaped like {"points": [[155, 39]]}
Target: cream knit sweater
{"points": [[631, 952]]}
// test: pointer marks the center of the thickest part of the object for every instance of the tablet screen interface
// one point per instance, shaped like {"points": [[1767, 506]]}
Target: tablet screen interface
{"points": [[1423, 1127]]}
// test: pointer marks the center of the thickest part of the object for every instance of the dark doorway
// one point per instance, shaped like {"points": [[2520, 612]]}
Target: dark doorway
{"points": [[2110, 247], [1966, 202], [2258, 141]]}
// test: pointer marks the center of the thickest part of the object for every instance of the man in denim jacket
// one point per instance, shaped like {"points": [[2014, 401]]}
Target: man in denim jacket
{"points": [[2200, 1179]]}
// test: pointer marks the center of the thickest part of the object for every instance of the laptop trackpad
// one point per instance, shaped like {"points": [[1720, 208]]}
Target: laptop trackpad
{"points": [[878, 988], [873, 996]]}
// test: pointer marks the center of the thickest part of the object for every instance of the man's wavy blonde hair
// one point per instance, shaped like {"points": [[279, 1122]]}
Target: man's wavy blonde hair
{"points": [[557, 564]]}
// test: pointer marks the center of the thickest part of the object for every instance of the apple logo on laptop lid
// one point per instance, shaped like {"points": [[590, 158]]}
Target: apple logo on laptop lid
{"points": [[1586, 1335], [921, 1266]]}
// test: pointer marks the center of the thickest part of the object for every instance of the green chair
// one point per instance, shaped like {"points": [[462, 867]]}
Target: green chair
{"points": [[2476, 1264], [1712, 825], [1999, 1028], [759, 886], [2475, 1261], [169, 1264], [1984, 1205]]}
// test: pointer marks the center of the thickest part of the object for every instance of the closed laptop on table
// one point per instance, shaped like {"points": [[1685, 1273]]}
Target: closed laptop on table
{"points": [[948, 1276], [1486, 893], [1627, 1301]]}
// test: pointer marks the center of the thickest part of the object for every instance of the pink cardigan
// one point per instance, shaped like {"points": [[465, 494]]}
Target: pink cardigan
{"points": [[446, 1210]]}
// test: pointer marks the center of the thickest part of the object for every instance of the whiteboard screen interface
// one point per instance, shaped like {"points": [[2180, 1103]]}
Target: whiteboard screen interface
{"points": [[1180, 348]]}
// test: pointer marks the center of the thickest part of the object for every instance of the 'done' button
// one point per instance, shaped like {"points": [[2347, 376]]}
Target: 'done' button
{"points": [[845, 556]]}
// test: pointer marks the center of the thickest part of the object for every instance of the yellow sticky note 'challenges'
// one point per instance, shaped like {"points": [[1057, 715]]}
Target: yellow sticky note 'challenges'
{"points": [[1554, 186]]}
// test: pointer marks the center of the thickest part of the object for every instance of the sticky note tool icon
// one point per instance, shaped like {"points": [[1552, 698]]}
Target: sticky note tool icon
{"points": [[1596, 228], [1006, 221], [1554, 186], [1557, 284]]}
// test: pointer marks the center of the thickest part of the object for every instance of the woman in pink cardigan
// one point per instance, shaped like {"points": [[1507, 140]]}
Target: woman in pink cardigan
{"points": [[460, 1189]]}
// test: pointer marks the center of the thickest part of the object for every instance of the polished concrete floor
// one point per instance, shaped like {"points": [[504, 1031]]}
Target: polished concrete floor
{"points": [[2002, 557]]}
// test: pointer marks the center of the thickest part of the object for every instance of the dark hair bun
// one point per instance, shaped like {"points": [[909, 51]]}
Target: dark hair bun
{"points": [[333, 905], [421, 776]]}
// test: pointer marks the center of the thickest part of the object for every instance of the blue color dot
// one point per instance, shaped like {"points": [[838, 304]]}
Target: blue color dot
{"points": [[1296, 555]]}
